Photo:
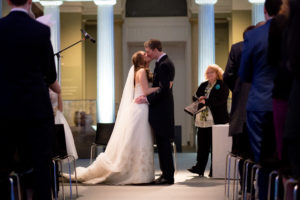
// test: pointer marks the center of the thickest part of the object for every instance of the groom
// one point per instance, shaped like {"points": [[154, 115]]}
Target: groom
{"points": [[161, 109]]}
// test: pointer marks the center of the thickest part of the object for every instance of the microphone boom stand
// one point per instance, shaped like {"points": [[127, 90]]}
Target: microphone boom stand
{"points": [[58, 57]]}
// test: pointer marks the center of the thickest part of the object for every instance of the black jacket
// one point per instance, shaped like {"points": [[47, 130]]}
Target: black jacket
{"points": [[161, 108], [26, 68], [217, 100], [238, 88]]}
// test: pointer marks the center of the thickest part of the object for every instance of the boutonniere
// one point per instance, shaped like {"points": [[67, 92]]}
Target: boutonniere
{"points": [[217, 86]]}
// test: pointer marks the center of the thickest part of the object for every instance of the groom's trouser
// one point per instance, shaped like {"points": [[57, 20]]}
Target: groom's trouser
{"points": [[164, 149]]}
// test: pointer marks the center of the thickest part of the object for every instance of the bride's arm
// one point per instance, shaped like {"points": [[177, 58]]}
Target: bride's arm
{"points": [[142, 76]]}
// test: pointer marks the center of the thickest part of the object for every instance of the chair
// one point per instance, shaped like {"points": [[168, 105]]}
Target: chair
{"points": [[60, 154], [235, 175], [103, 133], [15, 176], [273, 184], [247, 163], [290, 182]]}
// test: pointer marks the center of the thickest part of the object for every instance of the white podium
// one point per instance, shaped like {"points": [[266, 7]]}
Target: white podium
{"points": [[221, 145]]}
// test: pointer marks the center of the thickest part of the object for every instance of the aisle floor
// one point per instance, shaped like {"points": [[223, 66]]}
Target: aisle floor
{"points": [[187, 186]]}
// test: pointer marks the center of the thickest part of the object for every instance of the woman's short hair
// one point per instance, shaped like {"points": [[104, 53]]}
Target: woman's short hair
{"points": [[219, 71]]}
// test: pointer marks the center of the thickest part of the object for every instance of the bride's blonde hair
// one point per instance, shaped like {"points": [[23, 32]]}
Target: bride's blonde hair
{"points": [[139, 62]]}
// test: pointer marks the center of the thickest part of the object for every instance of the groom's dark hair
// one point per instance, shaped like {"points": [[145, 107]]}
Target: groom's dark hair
{"points": [[18, 2], [152, 44]]}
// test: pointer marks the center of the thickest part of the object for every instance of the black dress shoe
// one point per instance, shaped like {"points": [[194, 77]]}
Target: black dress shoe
{"points": [[163, 181], [195, 171]]}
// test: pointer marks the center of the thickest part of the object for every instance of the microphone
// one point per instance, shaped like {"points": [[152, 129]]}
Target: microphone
{"points": [[87, 36]]}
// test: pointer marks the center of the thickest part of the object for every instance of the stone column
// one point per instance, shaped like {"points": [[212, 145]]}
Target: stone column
{"points": [[257, 11], [105, 62], [0, 8], [206, 41], [51, 11]]}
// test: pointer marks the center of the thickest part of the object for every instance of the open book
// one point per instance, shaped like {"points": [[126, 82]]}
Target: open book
{"points": [[194, 108]]}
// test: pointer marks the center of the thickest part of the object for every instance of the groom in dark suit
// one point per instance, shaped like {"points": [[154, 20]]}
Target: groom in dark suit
{"points": [[27, 69], [161, 108]]}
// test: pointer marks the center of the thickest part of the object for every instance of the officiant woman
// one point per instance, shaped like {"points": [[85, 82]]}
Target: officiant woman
{"points": [[212, 95]]}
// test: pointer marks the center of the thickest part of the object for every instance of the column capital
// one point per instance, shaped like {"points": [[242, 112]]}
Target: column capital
{"points": [[51, 3], [256, 1], [201, 2], [105, 2]]}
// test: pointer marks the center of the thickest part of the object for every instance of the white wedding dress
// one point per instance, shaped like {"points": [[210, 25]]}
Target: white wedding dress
{"points": [[128, 158], [60, 119]]}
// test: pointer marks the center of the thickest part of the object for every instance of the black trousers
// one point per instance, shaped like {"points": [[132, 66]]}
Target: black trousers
{"points": [[204, 140], [24, 145], [165, 156]]}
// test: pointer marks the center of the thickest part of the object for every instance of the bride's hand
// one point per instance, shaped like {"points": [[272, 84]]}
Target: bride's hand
{"points": [[141, 100]]}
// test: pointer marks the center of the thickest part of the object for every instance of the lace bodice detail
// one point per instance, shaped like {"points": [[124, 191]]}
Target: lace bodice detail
{"points": [[138, 90]]}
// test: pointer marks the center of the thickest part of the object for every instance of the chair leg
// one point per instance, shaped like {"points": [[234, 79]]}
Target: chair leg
{"points": [[236, 178], [245, 180], [54, 174], [12, 192], [13, 174], [253, 173], [256, 183], [295, 192], [276, 187], [92, 152], [62, 180], [70, 178], [286, 185], [227, 180], [270, 183]]}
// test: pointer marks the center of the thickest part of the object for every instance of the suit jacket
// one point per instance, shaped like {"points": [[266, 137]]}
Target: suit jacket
{"points": [[161, 103], [238, 88], [255, 69], [26, 68], [217, 100]]}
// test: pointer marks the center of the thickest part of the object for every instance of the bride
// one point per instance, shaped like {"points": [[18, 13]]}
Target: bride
{"points": [[128, 158]]}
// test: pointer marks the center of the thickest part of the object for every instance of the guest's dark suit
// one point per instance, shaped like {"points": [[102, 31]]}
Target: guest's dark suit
{"points": [[217, 103], [161, 113], [237, 120], [255, 69], [240, 90], [26, 117]]}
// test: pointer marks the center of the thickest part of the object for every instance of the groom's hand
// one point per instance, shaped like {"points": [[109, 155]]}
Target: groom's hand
{"points": [[141, 100]]}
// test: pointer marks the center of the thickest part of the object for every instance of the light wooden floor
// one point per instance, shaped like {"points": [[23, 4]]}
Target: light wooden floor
{"points": [[187, 186]]}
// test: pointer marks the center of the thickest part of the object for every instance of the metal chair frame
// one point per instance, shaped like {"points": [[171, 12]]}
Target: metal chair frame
{"points": [[59, 160], [236, 176], [245, 180], [271, 175], [290, 181]]}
